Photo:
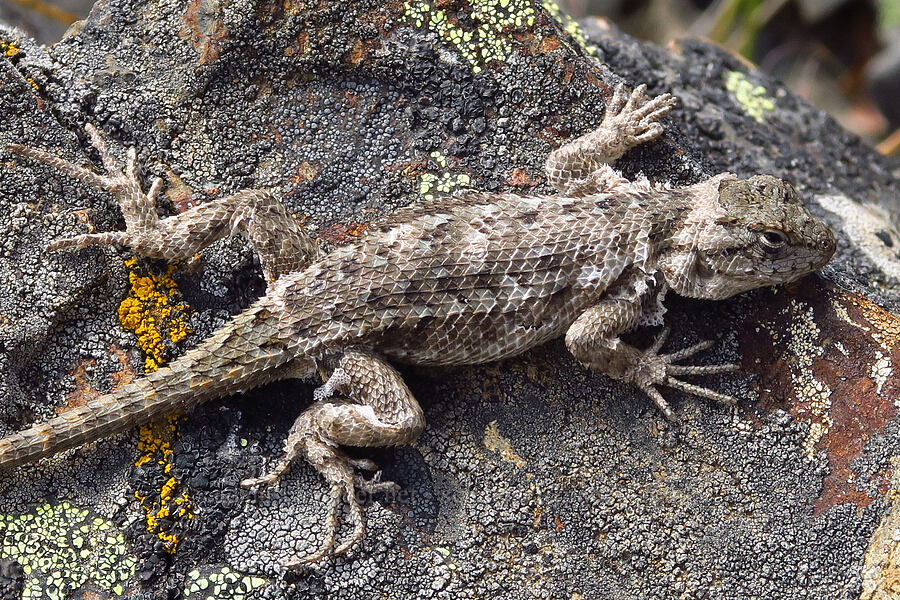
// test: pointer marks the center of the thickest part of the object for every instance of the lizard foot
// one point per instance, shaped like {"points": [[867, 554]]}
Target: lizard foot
{"points": [[346, 486], [633, 119], [279, 241], [582, 167], [138, 208], [655, 369]]}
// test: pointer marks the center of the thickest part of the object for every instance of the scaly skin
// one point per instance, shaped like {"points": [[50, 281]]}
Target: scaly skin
{"points": [[462, 280]]}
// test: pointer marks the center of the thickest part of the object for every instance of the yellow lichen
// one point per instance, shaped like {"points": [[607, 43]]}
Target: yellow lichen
{"points": [[220, 582], [152, 311], [63, 548], [488, 41], [441, 182], [154, 446], [570, 25], [9, 48]]}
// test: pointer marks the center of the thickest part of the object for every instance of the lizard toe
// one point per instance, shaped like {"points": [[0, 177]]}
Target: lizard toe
{"points": [[660, 402], [702, 369], [700, 391], [89, 239]]}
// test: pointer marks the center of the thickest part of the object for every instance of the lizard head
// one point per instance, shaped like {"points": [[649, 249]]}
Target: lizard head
{"points": [[744, 234]]}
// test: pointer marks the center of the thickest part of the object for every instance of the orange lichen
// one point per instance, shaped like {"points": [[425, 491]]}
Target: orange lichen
{"points": [[153, 313], [339, 233], [9, 49], [155, 445], [520, 178], [305, 172]]}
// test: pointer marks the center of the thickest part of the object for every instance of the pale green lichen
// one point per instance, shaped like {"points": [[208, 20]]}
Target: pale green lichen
{"points": [[752, 97], [62, 548], [220, 584], [488, 41], [442, 182]]}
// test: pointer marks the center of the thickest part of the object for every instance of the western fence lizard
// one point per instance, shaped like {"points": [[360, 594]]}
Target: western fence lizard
{"points": [[465, 279]]}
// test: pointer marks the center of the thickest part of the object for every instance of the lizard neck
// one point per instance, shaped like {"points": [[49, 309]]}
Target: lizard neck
{"points": [[681, 257]]}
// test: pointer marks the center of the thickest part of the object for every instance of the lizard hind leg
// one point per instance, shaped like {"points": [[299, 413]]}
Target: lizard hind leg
{"points": [[279, 240], [363, 403]]}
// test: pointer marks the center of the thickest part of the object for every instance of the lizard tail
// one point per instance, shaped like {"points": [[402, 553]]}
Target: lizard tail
{"points": [[243, 354]]}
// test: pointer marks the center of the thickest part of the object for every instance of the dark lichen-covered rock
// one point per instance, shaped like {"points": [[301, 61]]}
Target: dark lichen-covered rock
{"points": [[533, 478]]}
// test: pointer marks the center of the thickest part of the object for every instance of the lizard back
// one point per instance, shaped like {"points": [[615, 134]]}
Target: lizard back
{"points": [[445, 283]]}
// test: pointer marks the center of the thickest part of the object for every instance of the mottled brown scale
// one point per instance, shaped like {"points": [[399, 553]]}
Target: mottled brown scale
{"points": [[540, 266], [459, 280]]}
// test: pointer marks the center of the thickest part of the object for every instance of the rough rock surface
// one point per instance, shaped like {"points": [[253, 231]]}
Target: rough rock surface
{"points": [[534, 478]]}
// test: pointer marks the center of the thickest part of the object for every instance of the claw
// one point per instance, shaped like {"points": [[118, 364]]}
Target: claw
{"points": [[655, 108], [659, 341], [703, 369], [296, 562], [654, 131], [690, 350], [153, 192], [131, 163], [661, 111], [280, 468], [80, 173], [637, 96], [99, 144], [89, 239], [338, 493]]}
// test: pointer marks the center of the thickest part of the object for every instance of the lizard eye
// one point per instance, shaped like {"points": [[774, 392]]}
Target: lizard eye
{"points": [[772, 240]]}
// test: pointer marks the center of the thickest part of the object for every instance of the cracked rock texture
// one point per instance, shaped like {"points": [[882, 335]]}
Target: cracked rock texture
{"points": [[534, 478]]}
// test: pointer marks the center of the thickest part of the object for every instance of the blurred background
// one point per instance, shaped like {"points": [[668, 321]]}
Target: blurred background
{"points": [[842, 55]]}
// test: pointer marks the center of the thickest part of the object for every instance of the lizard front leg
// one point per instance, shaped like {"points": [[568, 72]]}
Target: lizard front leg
{"points": [[594, 341], [583, 166], [363, 403], [280, 242]]}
